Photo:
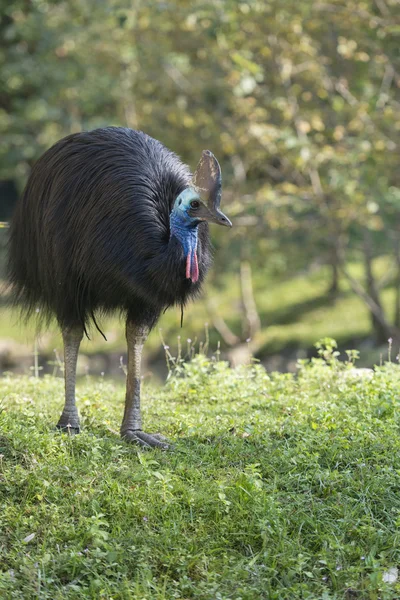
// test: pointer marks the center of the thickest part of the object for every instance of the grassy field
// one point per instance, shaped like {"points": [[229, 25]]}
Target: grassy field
{"points": [[279, 486]]}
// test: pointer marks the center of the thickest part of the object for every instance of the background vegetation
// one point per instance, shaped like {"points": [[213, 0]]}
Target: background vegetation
{"points": [[299, 100]]}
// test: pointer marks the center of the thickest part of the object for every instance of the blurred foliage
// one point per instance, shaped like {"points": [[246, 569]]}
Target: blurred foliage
{"points": [[299, 100]]}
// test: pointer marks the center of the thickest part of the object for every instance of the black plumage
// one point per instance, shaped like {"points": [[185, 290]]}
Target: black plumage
{"points": [[91, 231], [111, 219]]}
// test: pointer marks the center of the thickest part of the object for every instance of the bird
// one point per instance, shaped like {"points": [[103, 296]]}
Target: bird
{"points": [[112, 220]]}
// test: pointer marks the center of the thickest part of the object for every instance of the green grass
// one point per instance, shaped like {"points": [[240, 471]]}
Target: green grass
{"points": [[279, 487]]}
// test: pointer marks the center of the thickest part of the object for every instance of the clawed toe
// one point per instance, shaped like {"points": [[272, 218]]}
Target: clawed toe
{"points": [[159, 437], [146, 440]]}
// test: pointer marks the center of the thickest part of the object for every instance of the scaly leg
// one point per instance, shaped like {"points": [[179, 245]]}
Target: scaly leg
{"points": [[131, 428], [69, 420]]}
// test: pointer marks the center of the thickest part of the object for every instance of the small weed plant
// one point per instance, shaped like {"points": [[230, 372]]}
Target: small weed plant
{"points": [[280, 486]]}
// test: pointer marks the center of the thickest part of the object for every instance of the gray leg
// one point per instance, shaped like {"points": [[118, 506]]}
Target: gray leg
{"points": [[131, 428], [69, 419]]}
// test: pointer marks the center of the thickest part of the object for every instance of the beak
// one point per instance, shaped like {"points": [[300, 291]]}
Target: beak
{"points": [[219, 218], [212, 215]]}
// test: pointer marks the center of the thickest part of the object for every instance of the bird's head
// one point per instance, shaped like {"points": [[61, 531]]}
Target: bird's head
{"points": [[200, 201]]}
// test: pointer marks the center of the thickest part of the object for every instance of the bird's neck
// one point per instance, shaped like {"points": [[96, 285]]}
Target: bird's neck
{"points": [[185, 230]]}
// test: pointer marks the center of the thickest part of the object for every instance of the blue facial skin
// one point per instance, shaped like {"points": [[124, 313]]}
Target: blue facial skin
{"points": [[183, 226]]}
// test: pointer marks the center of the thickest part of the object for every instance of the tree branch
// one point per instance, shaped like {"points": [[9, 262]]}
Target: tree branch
{"points": [[251, 319], [373, 307], [220, 325]]}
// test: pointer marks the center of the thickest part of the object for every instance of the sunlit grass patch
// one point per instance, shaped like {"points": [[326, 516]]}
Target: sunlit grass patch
{"points": [[279, 487]]}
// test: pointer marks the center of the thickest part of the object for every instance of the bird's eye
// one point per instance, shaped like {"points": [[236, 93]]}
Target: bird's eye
{"points": [[194, 204]]}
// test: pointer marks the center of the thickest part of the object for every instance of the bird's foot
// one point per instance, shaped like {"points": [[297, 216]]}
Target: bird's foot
{"points": [[146, 440], [70, 429], [69, 423]]}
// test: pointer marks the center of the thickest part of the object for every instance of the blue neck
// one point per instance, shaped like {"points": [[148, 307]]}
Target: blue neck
{"points": [[184, 228]]}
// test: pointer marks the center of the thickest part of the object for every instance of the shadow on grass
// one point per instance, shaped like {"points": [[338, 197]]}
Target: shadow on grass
{"points": [[9, 453], [294, 312], [200, 449]]}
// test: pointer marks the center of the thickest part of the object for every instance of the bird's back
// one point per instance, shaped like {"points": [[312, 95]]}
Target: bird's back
{"points": [[91, 229]]}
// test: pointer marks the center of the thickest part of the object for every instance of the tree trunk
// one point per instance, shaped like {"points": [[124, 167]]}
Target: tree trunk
{"points": [[397, 281], [251, 323], [334, 264], [380, 331]]}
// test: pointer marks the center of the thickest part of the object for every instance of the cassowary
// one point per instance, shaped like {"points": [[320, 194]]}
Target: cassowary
{"points": [[111, 219]]}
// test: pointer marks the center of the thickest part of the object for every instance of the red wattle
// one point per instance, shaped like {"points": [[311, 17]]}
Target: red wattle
{"points": [[195, 268], [188, 264]]}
